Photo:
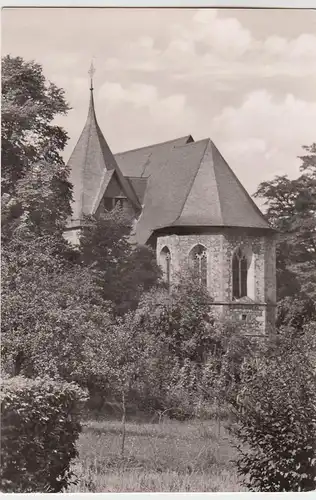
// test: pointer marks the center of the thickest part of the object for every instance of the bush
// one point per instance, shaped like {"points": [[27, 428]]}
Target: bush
{"points": [[39, 428], [276, 418]]}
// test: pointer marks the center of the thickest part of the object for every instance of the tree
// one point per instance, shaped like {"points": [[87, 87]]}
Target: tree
{"points": [[296, 312], [292, 212], [125, 270], [41, 202], [53, 313], [180, 325], [122, 363], [180, 316], [29, 106], [276, 415]]}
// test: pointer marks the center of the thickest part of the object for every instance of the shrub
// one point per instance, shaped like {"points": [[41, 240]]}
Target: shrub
{"points": [[276, 418], [39, 428]]}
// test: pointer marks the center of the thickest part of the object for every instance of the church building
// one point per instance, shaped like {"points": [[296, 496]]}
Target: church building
{"points": [[191, 208]]}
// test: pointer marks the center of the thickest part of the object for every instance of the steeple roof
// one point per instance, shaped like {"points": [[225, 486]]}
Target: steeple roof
{"points": [[179, 183], [91, 163], [189, 184]]}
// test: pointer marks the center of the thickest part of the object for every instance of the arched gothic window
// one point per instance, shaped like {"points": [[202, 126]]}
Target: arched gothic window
{"points": [[240, 274], [165, 262], [198, 262]]}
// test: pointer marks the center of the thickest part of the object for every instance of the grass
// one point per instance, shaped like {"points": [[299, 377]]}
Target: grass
{"points": [[166, 456]]}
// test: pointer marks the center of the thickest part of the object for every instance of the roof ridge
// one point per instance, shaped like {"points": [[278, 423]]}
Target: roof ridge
{"points": [[88, 125], [240, 185], [193, 143], [193, 180], [216, 184], [134, 177], [155, 145], [146, 163]]}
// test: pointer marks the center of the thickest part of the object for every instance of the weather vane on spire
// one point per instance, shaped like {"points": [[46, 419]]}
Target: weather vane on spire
{"points": [[91, 73]]}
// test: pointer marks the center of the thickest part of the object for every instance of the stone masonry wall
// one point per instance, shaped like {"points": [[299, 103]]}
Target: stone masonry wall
{"points": [[257, 310]]}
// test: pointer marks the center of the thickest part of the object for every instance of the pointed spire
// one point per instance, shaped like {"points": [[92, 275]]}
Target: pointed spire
{"points": [[90, 161]]}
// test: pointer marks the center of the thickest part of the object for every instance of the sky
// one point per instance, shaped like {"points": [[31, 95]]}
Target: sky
{"points": [[246, 78]]}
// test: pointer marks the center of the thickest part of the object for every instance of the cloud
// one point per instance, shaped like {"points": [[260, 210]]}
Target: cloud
{"points": [[264, 135], [242, 77], [167, 110], [207, 45], [226, 36], [137, 94]]}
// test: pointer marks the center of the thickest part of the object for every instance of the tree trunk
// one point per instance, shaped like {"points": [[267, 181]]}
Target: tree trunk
{"points": [[123, 424]]}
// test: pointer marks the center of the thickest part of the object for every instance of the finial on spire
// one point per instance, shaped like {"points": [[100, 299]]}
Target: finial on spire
{"points": [[91, 73]]}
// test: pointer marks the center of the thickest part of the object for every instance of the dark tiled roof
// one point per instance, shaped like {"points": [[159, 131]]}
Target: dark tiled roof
{"points": [[189, 184], [139, 185], [139, 162], [217, 198], [176, 183]]}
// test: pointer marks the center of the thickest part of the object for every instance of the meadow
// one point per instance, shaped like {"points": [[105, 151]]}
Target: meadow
{"points": [[164, 456]]}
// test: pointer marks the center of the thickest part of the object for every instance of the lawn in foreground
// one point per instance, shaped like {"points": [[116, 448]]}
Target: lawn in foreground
{"points": [[167, 456]]}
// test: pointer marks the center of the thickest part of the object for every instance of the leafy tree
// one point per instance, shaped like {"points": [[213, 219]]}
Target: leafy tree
{"points": [[41, 202], [180, 325], [292, 211], [121, 364], [181, 317], [296, 311], [276, 416], [29, 106], [125, 271], [53, 313]]}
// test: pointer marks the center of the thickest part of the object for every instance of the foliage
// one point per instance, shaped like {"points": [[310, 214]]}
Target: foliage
{"points": [[296, 311], [121, 363], [52, 307], [292, 211], [180, 317], [29, 106], [276, 415], [39, 428], [125, 271], [191, 358], [53, 315], [41, 202], [54, 318]]}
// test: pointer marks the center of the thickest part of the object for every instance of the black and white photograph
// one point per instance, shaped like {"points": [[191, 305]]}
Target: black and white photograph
{"points": [[158, 250]]}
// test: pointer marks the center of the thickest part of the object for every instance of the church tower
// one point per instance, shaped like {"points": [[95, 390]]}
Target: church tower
{"points": [[94, 172], [191, 208]]}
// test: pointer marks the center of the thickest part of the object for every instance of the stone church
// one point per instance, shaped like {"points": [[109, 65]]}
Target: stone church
{"points": [[190, 207]]}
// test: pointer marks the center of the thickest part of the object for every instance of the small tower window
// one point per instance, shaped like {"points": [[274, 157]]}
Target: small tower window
{"points": [[240, 272], [165, 263], [198, 262], [110, 203], [120, 202]]}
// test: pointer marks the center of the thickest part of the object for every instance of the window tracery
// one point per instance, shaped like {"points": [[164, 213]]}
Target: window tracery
{"points": [[198, 262], [240, 274]]}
